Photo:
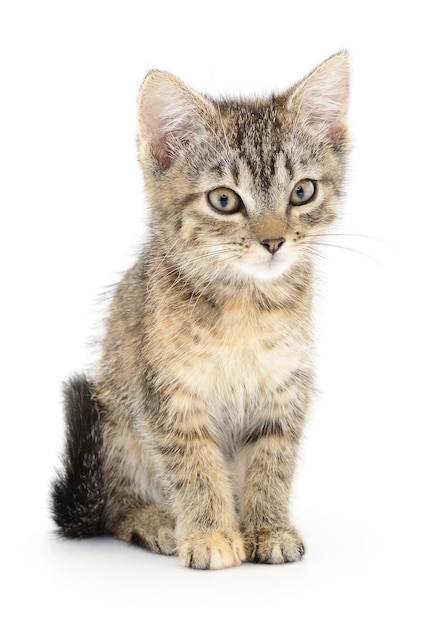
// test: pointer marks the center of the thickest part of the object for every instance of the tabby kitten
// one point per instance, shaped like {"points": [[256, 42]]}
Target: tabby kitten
{"points": [[186, 440]]}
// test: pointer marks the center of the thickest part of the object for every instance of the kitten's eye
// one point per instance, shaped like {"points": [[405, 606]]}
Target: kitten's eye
{"points": [[304, 191], [225, 200]]}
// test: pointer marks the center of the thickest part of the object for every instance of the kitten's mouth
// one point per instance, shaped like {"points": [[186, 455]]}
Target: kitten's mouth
{"points": [[268, 268]]}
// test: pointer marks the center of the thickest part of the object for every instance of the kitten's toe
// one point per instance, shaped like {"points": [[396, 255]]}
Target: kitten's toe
{"points": [[273, 545], [215, 550]]}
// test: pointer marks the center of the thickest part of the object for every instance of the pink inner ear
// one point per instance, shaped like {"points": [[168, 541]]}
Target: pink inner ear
{"points": [[166, 147], [171, 121], [162, 151], [337, 132]]}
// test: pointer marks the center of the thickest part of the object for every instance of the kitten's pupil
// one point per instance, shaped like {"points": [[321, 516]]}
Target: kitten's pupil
{"points": [[300, 192], [223, 199]]}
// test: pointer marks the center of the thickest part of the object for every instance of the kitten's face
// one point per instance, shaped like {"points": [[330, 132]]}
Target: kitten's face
{"points": [[241, 190], [253, 210]]}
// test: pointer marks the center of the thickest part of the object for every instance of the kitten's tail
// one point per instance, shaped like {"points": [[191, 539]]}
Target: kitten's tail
{"points": [[78, 499]]}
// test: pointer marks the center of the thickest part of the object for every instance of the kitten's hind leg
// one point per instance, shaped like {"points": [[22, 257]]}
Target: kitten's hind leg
{"points": [[149, 526]]}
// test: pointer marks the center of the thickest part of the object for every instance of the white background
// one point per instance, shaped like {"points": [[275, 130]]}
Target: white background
{"points": [[368, 496]]}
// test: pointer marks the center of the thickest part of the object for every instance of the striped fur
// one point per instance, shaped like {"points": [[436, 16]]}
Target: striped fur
{"points": [[186, 441]]}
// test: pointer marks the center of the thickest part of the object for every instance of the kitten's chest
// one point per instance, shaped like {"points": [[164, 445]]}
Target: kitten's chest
{"points": [[246, 356]]}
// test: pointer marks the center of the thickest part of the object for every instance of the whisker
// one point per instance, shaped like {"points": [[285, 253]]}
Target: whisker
{"points": [[344, 235], [358, 236], [332, 245], [184, 262]]}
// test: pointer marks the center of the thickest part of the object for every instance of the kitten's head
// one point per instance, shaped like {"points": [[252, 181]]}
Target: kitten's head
{"points": [[238, 188]]}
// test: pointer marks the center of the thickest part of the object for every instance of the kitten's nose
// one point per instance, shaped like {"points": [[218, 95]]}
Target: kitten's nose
{"points": [[273, 245]]}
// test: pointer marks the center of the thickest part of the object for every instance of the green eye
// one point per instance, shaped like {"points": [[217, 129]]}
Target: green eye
{"points": [[225, 200], [304, 191]]}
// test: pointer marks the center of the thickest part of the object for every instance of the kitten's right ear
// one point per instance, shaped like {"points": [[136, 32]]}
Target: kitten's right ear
{"points": [[171, 116]]}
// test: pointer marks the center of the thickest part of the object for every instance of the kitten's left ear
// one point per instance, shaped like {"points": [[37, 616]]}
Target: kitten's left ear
{"points": [[171, 117], [321, 99]]}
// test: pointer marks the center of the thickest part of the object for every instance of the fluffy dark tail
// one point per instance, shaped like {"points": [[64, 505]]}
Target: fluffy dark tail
{"points": [[77, 492]]}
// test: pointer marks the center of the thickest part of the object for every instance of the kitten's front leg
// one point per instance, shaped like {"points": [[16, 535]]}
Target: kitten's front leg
{"points": [[207, 530], [269, 536]]}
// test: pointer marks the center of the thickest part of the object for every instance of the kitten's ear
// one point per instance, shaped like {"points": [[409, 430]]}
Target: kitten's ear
{"points": [[171, 116], [321, 99]]}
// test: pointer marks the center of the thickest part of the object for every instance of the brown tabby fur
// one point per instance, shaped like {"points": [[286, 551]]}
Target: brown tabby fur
{"points": [[206, 372]]}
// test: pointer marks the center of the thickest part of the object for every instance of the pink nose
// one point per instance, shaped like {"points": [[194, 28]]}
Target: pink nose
{"points": [[273, 245]]}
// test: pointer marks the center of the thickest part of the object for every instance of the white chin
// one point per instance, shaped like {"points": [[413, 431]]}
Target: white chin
{"points": [[270, 269]]}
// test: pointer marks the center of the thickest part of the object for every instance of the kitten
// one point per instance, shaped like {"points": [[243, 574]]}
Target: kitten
{"points": [[186, 441]]}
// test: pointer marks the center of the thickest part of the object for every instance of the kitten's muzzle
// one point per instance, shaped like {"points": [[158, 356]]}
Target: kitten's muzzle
{"points": [[273, 245]]}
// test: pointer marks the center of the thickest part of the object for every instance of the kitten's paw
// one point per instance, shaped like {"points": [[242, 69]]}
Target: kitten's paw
{"points": [[215, 550], [150, 527], [273, 545], [162, 543]]}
